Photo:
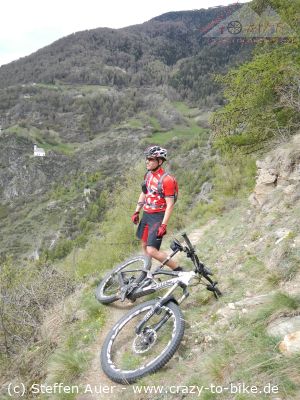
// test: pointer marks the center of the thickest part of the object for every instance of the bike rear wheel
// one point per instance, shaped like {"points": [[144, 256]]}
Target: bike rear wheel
{"points": [[126, 356], [132, 270]]}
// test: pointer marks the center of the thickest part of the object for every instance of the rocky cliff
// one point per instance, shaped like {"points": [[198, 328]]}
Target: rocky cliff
{"points": [[277, 193], [278, 177]]}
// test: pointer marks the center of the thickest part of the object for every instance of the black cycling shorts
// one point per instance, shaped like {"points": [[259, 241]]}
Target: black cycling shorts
{"points": [[148, 227]]}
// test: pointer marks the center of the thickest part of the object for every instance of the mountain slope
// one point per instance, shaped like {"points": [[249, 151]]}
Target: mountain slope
{"points": [[93, 100], [118, 57], [236, 342]]}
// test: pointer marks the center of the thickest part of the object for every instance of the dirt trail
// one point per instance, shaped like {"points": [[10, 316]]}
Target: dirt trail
{"points": [[196, 234], [95, 383]]}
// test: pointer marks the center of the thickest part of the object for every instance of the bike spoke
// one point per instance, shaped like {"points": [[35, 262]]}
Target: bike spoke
{"points": [[128, 274], [112, 286], [130, 352]]}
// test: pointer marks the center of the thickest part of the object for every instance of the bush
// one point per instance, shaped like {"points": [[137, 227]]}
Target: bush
{"points": [[257, 108], [26, 293]]}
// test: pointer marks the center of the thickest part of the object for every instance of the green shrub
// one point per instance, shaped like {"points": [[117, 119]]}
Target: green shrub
{"points": [[66, 365], [234, 175], [256, 110], [62, 249]]}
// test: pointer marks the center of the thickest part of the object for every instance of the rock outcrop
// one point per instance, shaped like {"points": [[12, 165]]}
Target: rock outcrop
{"points": [[288, 328], [278, 176], [290, 343]]}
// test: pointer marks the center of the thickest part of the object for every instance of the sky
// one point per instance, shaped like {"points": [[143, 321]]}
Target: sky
{"points": [[28, 25]]}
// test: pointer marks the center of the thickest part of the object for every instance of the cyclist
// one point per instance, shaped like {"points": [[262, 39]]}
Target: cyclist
{"points": [[158, 196]]}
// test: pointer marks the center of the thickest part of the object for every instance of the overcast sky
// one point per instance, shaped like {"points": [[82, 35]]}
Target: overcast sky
{"points": [[28, 25]]}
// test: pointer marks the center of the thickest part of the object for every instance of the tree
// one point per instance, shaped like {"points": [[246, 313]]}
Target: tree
{"points": [[258, 108]]}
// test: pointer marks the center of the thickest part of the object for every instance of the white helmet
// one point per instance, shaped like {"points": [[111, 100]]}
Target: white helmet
{"points": [[156, 152]]}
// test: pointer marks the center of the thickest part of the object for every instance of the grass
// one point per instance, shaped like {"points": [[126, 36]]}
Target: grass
{"points": [[134, 123], [49, 140], [4, 211], [179, 132], [185, 110], [63, 148], [246, 354], [188, 131], [129, 361], [72, 357], [48, 86], [117, 241], [78, 87], [258, 353], [155, 123], [68, 365], [26, 223], [243, 351], [182, 107]]}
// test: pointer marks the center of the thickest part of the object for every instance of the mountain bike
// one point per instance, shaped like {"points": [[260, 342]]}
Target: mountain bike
{"points": [[146, 338], [130, 280]]}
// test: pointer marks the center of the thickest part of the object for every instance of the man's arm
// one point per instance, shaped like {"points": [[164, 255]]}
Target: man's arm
{"points": [[169, 209], [140, 202], [135, 218]]}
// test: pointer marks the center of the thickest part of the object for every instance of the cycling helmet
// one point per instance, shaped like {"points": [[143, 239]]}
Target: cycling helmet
{"points": [[156, 151]]}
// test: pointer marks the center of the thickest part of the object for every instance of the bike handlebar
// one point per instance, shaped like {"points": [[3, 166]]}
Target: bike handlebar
{"points": [[198, 264], [187, 241]]}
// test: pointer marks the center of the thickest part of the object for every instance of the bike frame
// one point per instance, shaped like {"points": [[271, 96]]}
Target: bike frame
{"points": [[181, 279], [145, 323], [143, 288]]}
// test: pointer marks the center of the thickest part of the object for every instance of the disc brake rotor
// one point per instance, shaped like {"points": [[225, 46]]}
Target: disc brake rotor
{"points": [[144, 341]]}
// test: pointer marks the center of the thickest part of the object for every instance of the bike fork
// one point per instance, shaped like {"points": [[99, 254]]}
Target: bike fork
{"points": [[157, 309]]}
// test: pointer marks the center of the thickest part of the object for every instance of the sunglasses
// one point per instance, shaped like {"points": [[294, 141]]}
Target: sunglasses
{"points": [[151, 159]]}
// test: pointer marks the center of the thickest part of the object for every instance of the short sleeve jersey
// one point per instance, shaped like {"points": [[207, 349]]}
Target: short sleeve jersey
{"points": [[153, 201]]}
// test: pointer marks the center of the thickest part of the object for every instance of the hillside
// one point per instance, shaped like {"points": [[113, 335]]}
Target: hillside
{"points": [[93, 101], [89, 99], [253, 248], [135, 56], [243, 340], [247, 336]]}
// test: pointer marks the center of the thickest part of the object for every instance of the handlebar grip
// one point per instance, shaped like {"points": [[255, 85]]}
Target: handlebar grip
{"points": [[187, 241]]}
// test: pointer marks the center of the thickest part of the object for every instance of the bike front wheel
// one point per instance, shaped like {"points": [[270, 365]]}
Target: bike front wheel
{"points": [[127, 356], [132, 270]]}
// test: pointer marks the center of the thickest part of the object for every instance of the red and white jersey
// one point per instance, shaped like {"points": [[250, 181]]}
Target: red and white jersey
{"points": [[154, 202]]}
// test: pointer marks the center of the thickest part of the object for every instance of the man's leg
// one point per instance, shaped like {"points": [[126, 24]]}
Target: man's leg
{"points": [[149, 235], [160, 256], [144, 247]]}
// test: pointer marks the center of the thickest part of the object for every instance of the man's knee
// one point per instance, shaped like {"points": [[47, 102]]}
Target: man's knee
{"points": [[144, 247], [152, 251]]}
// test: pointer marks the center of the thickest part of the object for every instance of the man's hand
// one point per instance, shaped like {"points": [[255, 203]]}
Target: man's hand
{"points": [[162, 230], [135, 218]]}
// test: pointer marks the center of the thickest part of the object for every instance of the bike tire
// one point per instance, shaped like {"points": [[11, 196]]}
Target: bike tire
{"points": [[111, 357], [105, 296]]}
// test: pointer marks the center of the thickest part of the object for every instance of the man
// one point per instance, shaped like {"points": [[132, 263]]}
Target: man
{"points": [[158, 196]]}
